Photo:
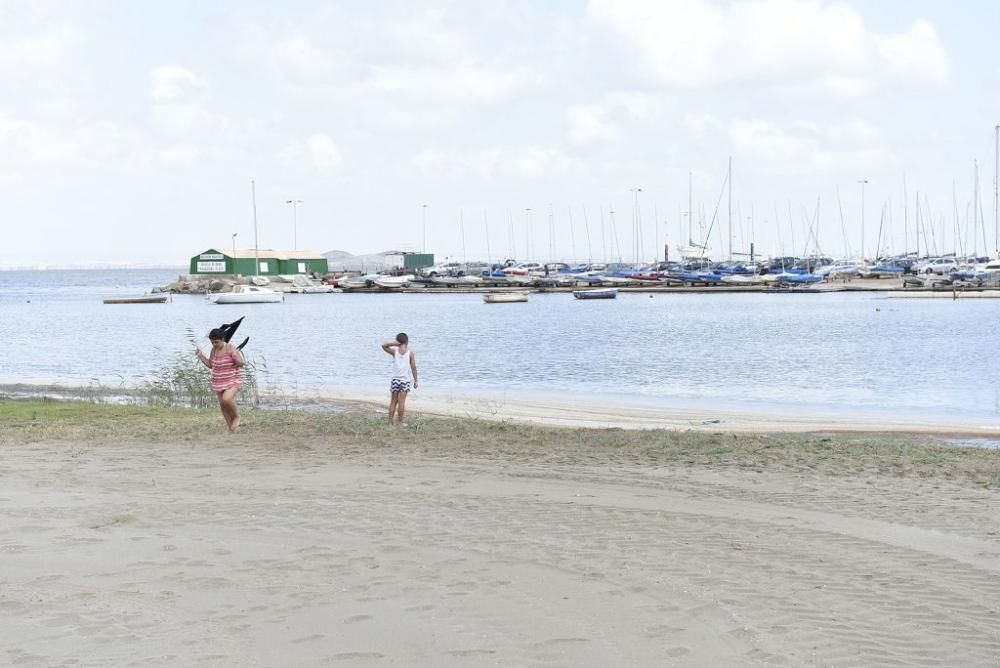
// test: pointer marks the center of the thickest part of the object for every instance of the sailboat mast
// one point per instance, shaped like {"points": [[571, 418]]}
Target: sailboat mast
{"points": [[975, 202], [730, 206], [461, 224], [256, 246], [996, 189], [906, 233], [690, 208], [486, 226]]}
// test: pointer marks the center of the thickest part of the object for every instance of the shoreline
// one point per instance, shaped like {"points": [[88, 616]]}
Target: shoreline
{"points": [[547, 410]]}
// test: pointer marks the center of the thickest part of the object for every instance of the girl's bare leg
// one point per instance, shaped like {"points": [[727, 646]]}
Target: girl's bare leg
{"points": [[229, 397], [225, 410], [392, 405]]}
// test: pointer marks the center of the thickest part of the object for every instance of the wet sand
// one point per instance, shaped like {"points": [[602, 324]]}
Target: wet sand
{"points": [[337, 550], [600, 413]]}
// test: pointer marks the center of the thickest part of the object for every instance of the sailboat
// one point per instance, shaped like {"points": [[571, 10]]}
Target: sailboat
{"points": [[250, 294], [692, 251]]}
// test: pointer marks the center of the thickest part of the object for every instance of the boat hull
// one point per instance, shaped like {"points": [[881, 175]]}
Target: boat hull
{"points": [[247, 298], [147, 299], [595, 294], [505, 298]]}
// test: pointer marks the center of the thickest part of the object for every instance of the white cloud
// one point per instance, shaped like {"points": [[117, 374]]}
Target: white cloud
{"points": [[788, 43], [45, 48], [417, 71], [318, 151], [915, 56], [30, 145], [808, 149], [177, 103], [297, 57], [588, 123], [515, 164], [179, 155], [704, 126]]}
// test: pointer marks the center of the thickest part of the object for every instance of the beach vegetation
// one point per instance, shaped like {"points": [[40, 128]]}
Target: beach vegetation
{"points": [[361, 430], [185, 381]]}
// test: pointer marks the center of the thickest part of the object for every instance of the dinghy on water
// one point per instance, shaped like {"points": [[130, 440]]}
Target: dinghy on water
{"points": [[142, 299], [609, 293], [505, 297]]}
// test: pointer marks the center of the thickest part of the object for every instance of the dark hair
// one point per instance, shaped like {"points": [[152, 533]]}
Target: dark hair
{"points": [[217, 334], [402, 338]]}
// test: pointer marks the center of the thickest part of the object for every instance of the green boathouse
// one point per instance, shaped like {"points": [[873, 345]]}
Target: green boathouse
{"points": [[269, 262]]}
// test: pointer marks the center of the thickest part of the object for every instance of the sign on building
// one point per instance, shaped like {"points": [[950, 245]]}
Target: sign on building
{"points": [[211, 267]]}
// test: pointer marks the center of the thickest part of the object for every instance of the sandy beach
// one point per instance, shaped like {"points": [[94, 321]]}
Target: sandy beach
{"points": [[337, 541]]}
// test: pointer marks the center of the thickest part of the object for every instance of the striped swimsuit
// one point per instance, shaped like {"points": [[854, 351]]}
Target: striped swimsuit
{"points": [[225, 373]]}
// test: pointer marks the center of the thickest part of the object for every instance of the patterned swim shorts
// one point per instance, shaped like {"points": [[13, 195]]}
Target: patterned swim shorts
{"points": [[398, 385]]}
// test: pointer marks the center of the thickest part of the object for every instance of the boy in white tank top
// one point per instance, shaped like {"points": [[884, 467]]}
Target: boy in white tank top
{"points": [[404, 375]]}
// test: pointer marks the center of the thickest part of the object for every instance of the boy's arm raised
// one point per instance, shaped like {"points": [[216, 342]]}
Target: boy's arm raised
{"points": [[388, 347]]}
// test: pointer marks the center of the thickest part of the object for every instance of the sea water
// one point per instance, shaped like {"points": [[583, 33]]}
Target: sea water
{"points": [[836, 354]]}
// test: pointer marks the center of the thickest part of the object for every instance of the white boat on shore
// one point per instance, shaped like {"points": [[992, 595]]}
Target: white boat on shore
{"points": [[247, 294], [505, 297], [743, 279], [393, 281], [304, 285]]}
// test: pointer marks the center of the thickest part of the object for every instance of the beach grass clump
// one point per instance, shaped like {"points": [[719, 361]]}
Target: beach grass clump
{"points": [[185, 381]]}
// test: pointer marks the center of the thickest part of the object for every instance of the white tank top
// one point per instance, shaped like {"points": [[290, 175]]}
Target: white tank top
{"points": [[401, 366]]}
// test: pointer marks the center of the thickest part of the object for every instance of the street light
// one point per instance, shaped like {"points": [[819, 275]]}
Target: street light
{"points": [[423, 215], [234, 252], [295, 222], [863, 182]]}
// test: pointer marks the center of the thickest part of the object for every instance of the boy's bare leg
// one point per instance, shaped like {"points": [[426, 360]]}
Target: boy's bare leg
{"points": [[401, 407], [392, 405]]}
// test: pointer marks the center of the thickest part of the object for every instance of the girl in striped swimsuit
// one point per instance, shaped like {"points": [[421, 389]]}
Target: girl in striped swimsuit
{"points": [[226, 363]]}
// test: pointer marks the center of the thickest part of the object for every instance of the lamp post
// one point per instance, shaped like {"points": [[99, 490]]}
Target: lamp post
{"points": [[863, 182], [423, 217], [234, 252], [295, 222]]}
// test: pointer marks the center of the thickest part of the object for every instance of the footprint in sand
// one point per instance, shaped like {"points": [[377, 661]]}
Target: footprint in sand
{"points": [[348, 656], [560, 641], [357, 618], [469, 652]]}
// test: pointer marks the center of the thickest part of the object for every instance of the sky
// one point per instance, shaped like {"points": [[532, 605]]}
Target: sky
{"points": [[130, 132]]}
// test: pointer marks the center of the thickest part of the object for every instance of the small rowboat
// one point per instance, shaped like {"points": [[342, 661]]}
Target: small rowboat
{"points": [[143, 299], [505, 297], [609, 293]]}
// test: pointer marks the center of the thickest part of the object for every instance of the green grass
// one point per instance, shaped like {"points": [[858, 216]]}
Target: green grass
{"points": [[23, 421]]}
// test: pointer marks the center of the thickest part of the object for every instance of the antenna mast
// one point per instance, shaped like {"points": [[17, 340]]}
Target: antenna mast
{"points": [[256, 246]]}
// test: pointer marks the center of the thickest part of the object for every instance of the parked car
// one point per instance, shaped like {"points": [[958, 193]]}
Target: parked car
{"points": [[936, 265]]}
